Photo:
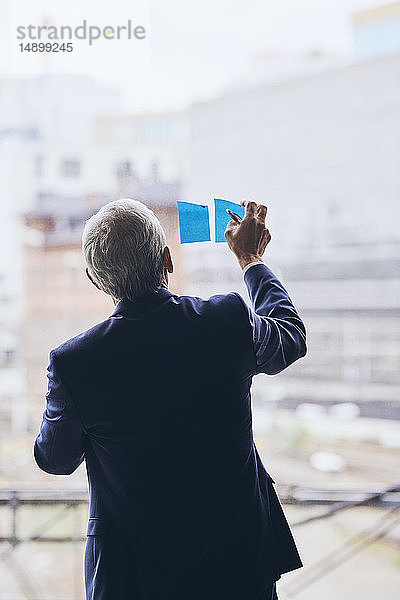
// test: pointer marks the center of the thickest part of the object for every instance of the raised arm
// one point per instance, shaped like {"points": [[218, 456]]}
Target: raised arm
{"points": [[59, 447], [278, 333]]}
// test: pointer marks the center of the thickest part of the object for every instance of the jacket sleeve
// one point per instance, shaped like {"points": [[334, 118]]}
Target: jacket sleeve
{"points": [[59, 447], [278, 334]]}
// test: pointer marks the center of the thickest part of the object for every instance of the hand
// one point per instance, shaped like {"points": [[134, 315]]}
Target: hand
{"points": [[249, 238]]}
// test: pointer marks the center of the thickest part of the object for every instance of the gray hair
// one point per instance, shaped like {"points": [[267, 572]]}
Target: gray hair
{"points": [[123, 245]]}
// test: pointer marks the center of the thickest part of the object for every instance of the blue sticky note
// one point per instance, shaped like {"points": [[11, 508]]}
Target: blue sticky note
{"points": [[194, 222], [222, 218]]}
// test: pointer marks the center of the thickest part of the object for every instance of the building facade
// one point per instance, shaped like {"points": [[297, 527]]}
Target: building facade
{"points": [[322, 152]]}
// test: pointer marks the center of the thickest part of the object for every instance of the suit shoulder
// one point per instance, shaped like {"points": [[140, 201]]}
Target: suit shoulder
{"points": [[83, 341], [215, 303], [230, 301], [228, 310]]}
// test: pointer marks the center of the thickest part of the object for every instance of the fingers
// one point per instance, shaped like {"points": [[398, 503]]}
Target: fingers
{"points": [[264, 241], [261, 212], [255, 210], [250, 208]]}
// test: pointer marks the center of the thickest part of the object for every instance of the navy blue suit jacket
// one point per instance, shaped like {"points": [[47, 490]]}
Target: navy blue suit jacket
{"points": [[156, 401]]}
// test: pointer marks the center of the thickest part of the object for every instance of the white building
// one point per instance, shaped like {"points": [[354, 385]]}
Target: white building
{"points": [[65, 148], [322, 150]]}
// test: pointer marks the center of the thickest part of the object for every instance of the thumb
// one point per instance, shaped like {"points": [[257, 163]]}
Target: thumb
{"points": [[230, 228]]}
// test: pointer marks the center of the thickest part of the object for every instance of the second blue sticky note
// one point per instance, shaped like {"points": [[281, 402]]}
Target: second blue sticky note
{"points": [[222, 218]]}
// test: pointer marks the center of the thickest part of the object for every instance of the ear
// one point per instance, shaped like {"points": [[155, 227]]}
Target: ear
{"points": [[168, 264], [91, 279]]}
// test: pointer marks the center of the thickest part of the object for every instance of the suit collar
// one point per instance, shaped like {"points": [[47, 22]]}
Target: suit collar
{"points": [[148, 299]]}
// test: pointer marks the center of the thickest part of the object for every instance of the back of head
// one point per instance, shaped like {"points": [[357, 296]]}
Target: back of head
{"points": [[123, 245]]}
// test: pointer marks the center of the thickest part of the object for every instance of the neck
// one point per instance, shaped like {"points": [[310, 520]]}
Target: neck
{"points": [[165, 279]]}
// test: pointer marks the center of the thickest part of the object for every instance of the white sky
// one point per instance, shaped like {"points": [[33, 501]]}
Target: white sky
{"points": [[198, 48]]}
